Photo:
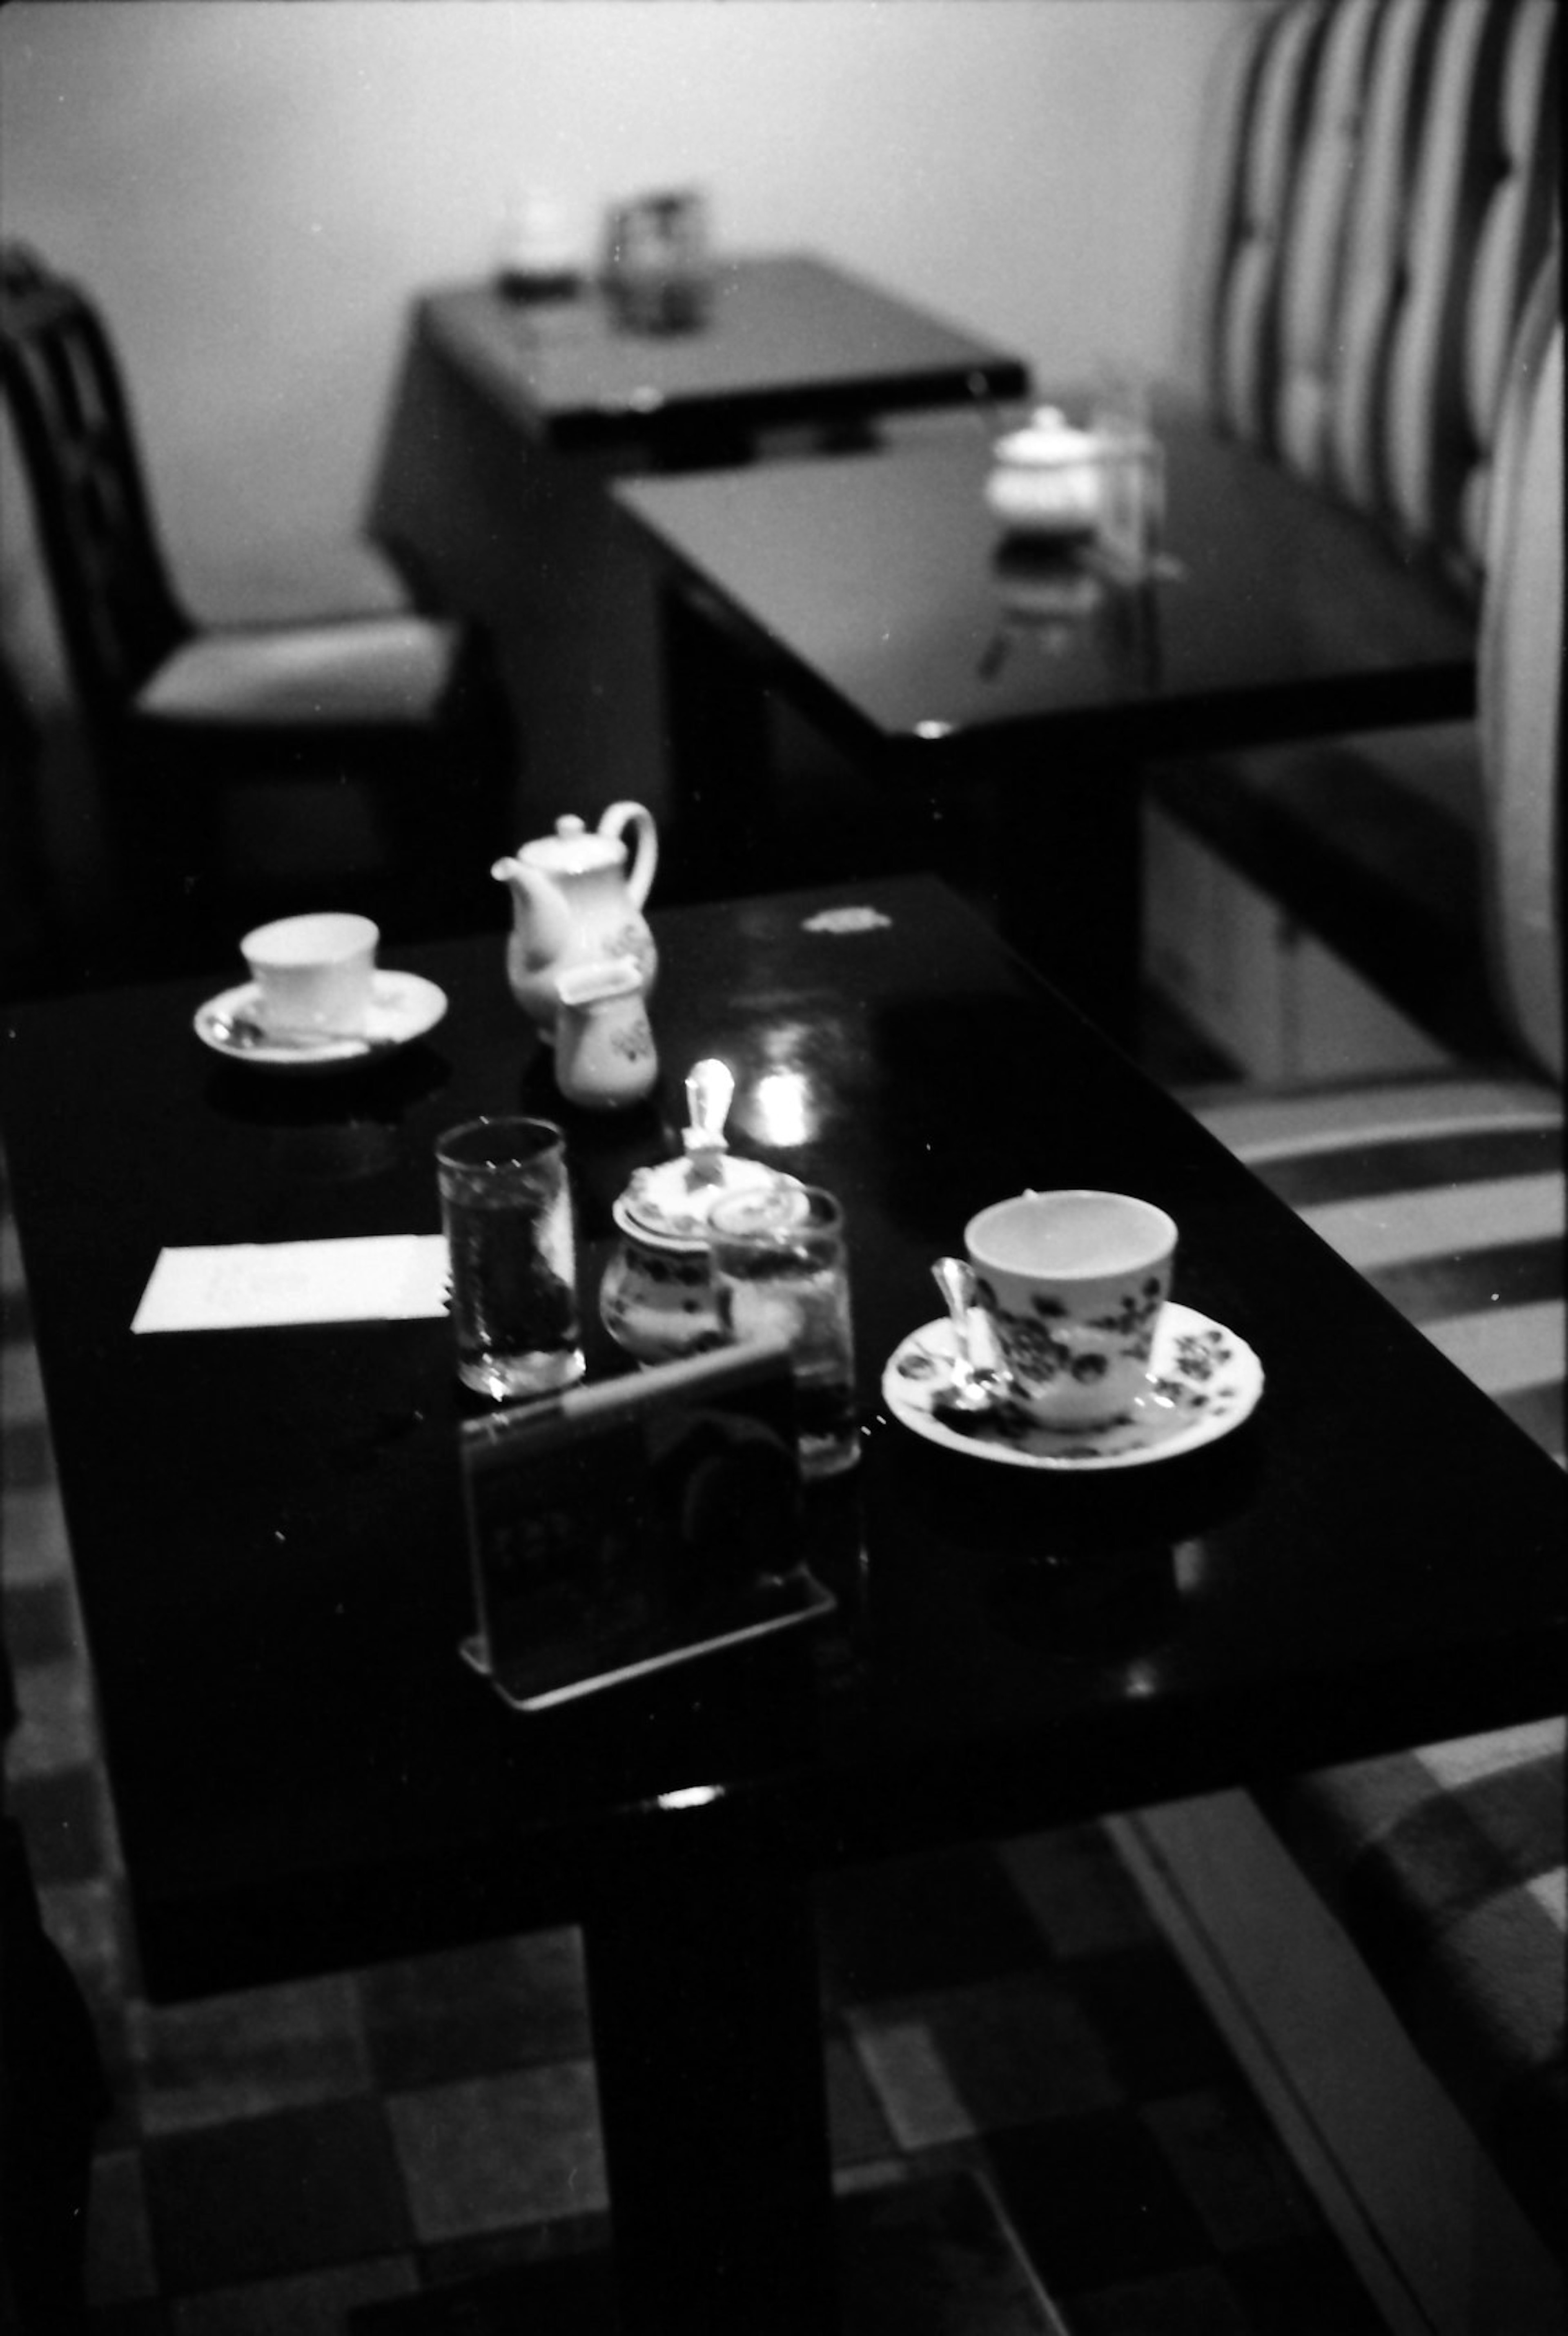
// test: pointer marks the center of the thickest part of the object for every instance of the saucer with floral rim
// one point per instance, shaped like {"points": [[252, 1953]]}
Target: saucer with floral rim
{"points": [[1202, 1382]]}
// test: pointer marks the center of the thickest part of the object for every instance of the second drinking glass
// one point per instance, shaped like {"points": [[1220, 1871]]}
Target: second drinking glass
{"points": [[780, 1268]]}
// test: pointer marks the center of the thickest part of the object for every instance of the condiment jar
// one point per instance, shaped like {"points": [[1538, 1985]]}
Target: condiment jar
{"points": [[1047, 480], [656, 1298]]}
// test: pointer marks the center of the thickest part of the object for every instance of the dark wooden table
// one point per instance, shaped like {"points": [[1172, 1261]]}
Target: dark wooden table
{"points": [[879, 596], [267, 1532], [790, 340], [509, 418]]}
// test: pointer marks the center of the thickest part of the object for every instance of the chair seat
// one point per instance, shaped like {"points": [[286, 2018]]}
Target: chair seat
{"points": [[388, 670], [1449, 1196], [1445, 1864]]}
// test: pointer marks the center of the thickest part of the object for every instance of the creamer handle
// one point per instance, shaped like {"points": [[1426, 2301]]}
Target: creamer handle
{"points": [[640, 876]]}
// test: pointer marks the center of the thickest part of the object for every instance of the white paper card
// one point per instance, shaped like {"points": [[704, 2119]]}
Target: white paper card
{"points": [[378, 1277]]}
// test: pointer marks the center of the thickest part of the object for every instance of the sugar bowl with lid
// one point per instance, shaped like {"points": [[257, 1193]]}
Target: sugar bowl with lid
{"points": [[656, 1298]]}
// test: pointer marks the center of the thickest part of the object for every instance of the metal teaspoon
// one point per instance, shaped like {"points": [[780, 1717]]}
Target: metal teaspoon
{"points": [[972, 1388]]}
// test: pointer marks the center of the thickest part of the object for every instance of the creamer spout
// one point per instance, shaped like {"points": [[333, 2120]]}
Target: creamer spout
{"points": [[541, 918]]}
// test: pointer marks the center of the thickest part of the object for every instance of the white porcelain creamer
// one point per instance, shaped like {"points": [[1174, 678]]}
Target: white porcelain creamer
{"points": [[574, 900]]}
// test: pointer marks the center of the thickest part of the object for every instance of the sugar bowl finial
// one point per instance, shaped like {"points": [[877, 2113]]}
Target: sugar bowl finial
{"points": [[710, 1092]]}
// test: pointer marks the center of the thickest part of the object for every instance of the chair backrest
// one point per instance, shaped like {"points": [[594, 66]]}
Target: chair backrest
{"points": [[1520, 686], [118, 613], [1391, 192]]}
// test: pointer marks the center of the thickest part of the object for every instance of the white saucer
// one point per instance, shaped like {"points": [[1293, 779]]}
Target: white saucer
{"points": [[1203, 1381], [402, 1007]]}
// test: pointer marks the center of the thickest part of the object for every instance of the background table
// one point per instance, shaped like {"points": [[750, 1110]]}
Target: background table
{"points": [[267, 1532], [879, 596], [790, 340], [509, 420]]}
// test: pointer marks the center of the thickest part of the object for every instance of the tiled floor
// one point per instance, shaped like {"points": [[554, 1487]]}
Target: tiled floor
{"points": [[276, 2161]]}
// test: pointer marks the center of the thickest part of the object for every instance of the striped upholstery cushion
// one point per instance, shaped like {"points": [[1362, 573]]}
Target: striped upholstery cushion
{"points": [[1479, 222], [1271, 90], [1445, 1864], [1448, 1195], [1318, 251], [1389, 199], [1520, 690], [1396, 101]]}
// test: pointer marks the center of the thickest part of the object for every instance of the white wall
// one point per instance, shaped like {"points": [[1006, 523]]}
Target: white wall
{"points": [[256, 190]]}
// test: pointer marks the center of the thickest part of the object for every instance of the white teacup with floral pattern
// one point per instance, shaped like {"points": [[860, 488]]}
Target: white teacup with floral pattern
{"points": [[1073, 1284]]}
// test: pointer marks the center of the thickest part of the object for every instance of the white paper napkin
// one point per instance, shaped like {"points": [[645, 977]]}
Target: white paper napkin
{"points": [[376, 1277]]}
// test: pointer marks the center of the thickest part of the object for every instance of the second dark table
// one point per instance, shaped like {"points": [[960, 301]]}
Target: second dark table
{"points": [[511, 419], [880, 596]]}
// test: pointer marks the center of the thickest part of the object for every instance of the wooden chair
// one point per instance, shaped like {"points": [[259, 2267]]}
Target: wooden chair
{"points": [[246, 771]]}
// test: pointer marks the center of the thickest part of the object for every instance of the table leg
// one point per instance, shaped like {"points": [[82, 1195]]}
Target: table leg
{"points": [[1071, 887], [1067, 838], [708, 2042], [719, 753]]}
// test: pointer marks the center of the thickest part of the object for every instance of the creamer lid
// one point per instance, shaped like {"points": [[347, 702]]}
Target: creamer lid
{"points": [[666, 1206], [574, 850], [1047, 440]]}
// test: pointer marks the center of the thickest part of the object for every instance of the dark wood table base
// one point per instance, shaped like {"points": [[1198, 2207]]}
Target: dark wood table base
{"points": [[675, 1977]]}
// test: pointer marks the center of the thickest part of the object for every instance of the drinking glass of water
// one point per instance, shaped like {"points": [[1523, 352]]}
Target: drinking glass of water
{"points": [[780, 1269], [507, 1210]]}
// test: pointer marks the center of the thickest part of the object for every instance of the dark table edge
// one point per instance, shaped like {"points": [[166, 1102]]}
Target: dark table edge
{"points": [[981, 376]]}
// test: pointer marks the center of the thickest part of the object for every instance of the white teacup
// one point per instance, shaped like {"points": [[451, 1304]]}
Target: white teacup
{"points": [[1073, 1283], [313, 973]]}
